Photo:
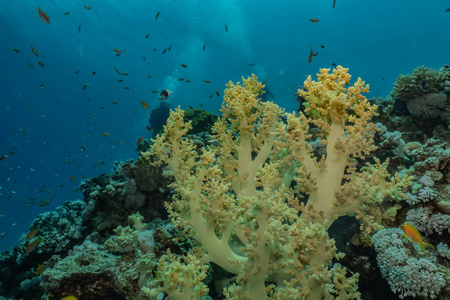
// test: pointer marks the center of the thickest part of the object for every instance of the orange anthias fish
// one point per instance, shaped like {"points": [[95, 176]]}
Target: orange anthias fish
{"points": [[43, 15], [414, 235], [145, 105], [39, 269]]}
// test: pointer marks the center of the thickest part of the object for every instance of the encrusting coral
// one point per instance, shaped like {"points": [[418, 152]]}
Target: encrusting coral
{"points": [[258, 201]]}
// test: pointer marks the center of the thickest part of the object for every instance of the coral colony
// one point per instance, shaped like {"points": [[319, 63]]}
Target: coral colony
{"points": [[245, 209]]}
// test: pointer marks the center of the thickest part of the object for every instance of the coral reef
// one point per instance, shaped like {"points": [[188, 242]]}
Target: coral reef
{"points": [[89, 273], [261, 204], [134, 186], [58, 232], [240, 199], [418, 106], [421, 82], [428, 105], [114, 269], [408, 270], [109, 201], [424, 92]]}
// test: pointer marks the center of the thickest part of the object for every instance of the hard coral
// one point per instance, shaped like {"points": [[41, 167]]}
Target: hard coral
{"points": [[406, 274], [424, 91], [90, 273], [428, 105], [422, 81]]}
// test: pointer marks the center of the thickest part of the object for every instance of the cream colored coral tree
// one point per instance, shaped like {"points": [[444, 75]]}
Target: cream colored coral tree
{"points": [[239, 198]]}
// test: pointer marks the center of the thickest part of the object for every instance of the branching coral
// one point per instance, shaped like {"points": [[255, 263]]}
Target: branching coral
{"points": [[239, 198]]}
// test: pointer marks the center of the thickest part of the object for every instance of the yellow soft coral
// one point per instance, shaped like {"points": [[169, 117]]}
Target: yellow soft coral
{"points": [[237, 197]]}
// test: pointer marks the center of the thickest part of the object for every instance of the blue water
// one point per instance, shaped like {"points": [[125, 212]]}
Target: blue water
{"points": [[46, 128]]}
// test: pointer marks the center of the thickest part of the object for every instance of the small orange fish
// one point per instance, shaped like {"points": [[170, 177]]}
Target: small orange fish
{"points": [[414, 235], [115, 102], [39, 269], [44, 17], [33, 245], [149, 129], [105, 134], [118, 72], [32, 233], [206, 80], [117, 50], [145, 105], [314, 20], [41, 63], [139, 141], [43, 202]]}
